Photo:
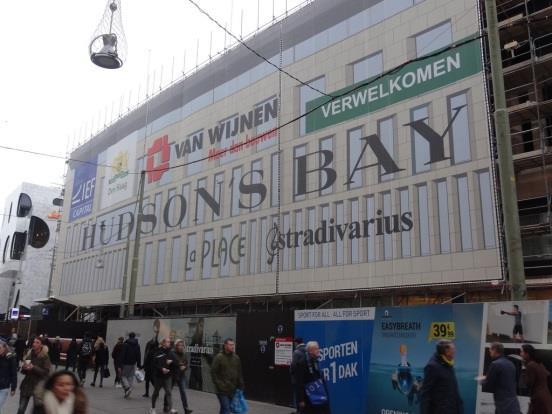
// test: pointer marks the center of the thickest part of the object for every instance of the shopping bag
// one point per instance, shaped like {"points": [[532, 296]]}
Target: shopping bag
{"points": [[316, 392], [238, 405], [106, 373], [139, 375]]}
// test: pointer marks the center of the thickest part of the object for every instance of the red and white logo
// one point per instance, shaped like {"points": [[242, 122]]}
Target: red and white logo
{"points": [[156, 166]]}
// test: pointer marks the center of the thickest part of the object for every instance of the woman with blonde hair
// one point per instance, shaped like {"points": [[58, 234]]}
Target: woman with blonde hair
{"points": [[101, 355]]}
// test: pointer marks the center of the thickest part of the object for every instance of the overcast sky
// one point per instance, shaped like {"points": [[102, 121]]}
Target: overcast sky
{"points": [[52, 96]]}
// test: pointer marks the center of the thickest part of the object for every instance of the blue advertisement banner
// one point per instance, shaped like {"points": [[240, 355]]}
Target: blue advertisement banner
{"points": [[404, 341], [345, 339], [84, 185]]}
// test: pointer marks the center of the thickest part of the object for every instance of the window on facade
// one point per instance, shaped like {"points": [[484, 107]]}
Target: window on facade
{"points": [[172, 219], [340, 243], [158, 214], [325, 255], [386, 133], [371, 241], [327, 145], [387, 238], [299, 248], [433, 39], [443, 209], [191, 256], [194, 165], [284, 253], [420, 144], [147, 263], [206, 267], [235, 205], [487, 209], [354, 147], [423, 219], [368, 67], [298, 151], [307, 94], [200, 203], [274, 167], [160, 262], [355, 217], [186, 196], [264, 252], [243, 259], [225, 257], [464, 212], [311, 218], [276, 262], [406, 250], [460, 129], [255, 178], [253, 247], [175, 259], [218, 185]]}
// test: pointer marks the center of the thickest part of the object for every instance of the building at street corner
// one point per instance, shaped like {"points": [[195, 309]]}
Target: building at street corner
{"points": [[25, 278], [372, 179]]}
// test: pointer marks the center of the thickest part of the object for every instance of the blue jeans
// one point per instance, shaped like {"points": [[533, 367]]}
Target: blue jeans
{"points": [[3, 397], [224, 401], [181, 384]]}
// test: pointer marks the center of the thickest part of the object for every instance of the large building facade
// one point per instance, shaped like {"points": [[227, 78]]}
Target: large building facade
{"points": [[372, 175]]}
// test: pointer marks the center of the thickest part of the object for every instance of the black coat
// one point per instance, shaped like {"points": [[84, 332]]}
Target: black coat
{"points": [[439, 393], [131, 354], [502, 382], [102, 355], [8, 372], [159, 361], [72, 352], [306, 370]]}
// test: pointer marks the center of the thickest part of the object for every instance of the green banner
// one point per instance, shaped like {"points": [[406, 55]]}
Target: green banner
{"points": [[412, 80]]}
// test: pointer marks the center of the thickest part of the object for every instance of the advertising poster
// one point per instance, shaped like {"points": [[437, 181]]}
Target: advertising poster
{"points": [[203, 337], [345, 338], [120, 176], [84, 185], [404, 340], [283, 351]]}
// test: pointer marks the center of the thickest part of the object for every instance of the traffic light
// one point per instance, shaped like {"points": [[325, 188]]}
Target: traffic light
{"points": [[37, 234]]}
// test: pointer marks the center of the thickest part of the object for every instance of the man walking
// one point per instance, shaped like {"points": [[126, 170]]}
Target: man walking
{"points": [[163, 363], [226, 372], [86, 351], [117, 354], [297, 358], [307, 374], [8, 373], [36, 367], [180, 374], [439, 393], [130, 358], [501, 381], [151, 349]]}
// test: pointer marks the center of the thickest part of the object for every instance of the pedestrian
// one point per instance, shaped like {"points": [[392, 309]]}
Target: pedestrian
{"points": [[180, 374], [501, 381], [8, 373], [517, 332], [20, 345], [85, 354], [226, 372], [164, 364], [536, 379], [151, 349], [307, 373], [439, 393], [101, 354], [13, 339], [71, 355], [55, 352], [64, 395], [130, 358], [116, 354], [36, 367], [297, 357]]}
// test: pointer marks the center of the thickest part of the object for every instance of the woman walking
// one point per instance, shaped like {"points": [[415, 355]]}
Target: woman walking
{"points": [[536, 378], [101, 354]]}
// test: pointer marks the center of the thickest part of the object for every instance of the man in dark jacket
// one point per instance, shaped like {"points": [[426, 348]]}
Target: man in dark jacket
{"points": [[151, 349], [296, 359], [501, 381], [71, 355], [164, 367], [116, 354], [307, 371], [36, 367], [86, 352], [8, 373], [439, 393], [130, 358], [226, 372]]}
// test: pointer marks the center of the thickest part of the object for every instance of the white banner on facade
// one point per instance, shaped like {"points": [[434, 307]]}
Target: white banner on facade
{"points": [[120, 177]]}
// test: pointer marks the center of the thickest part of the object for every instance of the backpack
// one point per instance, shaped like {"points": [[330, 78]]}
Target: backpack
{"points": [[86, 349]]}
